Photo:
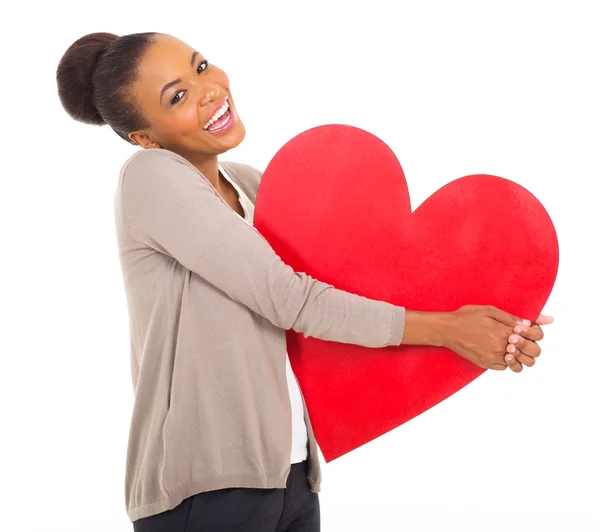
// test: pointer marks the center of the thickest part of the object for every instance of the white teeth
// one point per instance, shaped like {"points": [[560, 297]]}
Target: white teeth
{"points": [[225, 122], [222, 110]]}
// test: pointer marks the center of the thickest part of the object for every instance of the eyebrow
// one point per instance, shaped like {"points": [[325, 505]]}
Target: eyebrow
{"points": [[175, 81]]}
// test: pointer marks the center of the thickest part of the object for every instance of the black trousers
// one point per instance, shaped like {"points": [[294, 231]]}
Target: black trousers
{"points": [[291, 509]]}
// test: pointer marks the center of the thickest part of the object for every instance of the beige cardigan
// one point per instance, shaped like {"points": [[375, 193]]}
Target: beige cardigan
{"points": [[209, 302]]}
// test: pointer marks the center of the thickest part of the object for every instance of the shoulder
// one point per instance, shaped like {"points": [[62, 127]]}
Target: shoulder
{"points": [[157, 173], [153, 158]]}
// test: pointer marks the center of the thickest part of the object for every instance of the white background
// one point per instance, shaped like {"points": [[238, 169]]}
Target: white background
{"points": [[454, 88]]}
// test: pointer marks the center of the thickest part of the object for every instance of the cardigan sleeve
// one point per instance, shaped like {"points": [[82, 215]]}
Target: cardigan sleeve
{"points": [[170, 207]]}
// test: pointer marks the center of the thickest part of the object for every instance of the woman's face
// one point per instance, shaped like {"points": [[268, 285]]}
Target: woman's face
{"points": [[178, 92]]}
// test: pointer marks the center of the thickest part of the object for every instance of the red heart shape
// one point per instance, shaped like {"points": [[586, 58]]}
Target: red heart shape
{"points": [[333, 203]]}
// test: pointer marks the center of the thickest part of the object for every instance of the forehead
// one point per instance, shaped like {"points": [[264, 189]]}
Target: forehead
{"points": [[164, 51], [167, 59]]}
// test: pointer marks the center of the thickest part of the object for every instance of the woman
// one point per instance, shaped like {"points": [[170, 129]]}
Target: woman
{"points": [[220, 436]]}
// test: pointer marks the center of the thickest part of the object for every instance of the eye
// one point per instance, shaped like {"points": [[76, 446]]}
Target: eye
{"points": [[202, 64], [201, 68]]}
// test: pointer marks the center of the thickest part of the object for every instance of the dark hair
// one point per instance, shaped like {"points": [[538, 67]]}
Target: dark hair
{"points": [[93, 74]]}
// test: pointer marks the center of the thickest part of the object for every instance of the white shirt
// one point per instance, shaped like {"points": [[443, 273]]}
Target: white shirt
{"points": [[299, 431]]}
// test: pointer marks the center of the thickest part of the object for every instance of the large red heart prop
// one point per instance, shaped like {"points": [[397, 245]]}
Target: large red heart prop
{"points": [[334, 203]]}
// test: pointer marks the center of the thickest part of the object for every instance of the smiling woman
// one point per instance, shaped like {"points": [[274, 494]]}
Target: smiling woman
{"points": [[186, 448], [220, 435]]}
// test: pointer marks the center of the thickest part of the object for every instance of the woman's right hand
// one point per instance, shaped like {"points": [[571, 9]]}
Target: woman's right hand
{"points": [[480, 334]]}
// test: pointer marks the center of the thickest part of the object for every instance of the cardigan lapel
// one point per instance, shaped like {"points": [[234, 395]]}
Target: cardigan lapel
{"points": [[246, 177]]}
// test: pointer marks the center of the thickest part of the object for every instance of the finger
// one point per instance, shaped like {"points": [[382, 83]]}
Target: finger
{"points": [[513, 363], [542, 319], [527, 347], [504, 317], [524, 359], [533, 333]]}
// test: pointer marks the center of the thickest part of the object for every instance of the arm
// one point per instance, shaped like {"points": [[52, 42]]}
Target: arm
{"points": [[170, 207]]}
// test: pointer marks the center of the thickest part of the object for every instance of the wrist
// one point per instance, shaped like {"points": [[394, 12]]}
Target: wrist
{"points": [[447, 330], [429, 328]]}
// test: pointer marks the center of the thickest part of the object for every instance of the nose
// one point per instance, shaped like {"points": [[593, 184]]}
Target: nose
{"points": [[210, 94]]}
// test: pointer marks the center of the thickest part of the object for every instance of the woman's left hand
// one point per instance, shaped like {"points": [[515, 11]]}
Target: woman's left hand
{"points": [[522, 348]]}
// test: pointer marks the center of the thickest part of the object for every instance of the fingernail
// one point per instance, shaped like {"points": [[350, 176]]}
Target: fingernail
{"points": [[509, 357], [513, 339], [511, 348], [526, 322], [518, 330]]}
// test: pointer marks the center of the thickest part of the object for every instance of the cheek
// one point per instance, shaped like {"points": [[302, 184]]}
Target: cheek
{"points": [[185, 120], [188, 117]]}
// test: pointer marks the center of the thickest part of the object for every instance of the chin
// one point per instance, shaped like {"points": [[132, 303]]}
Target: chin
{"points": [[236, 140]]}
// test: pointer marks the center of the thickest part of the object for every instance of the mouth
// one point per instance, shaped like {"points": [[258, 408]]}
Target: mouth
{"points": [[221, 119]]}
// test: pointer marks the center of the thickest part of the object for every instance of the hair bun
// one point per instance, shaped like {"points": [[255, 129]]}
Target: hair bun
{"points": [[74, 76]]}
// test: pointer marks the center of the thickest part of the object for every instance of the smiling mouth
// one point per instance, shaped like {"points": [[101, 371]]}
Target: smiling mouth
{"points": [[220, 118]]}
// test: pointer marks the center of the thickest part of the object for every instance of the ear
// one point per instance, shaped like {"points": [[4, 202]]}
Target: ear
{"points": [[141, 139]]}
